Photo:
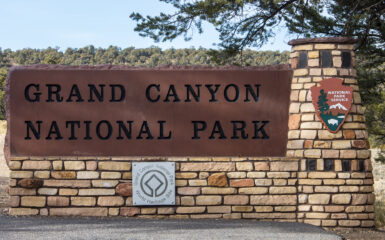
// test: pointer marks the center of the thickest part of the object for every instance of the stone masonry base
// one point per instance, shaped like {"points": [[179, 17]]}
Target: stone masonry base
{"points": [[279, 189]]}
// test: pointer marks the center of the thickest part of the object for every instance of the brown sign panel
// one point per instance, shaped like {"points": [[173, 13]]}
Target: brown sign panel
{"points": [[85, 111]]}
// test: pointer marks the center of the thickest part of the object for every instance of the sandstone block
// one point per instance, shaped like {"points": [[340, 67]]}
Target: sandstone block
{"points": [[129, 211], [309, 182], [63, 174], [282, 190], [189, 210], [294, 107], [330, 153], [23, 211], [242, 208], [349, 188], [36, 165], [347, 154], [313, 54], [278, 174], [322, 144], [261, 166], [349, 223], [236, 200], [355, 209], [219, 209], [300, 72], [334, 181], [307, 108], [55, 201], [326, 189], [329, 71], [111, 175], [96, 192], [236, 174], [186, 175], [166, 210], [57, 165], [312, 153], [30, 201], [315, 72], [313, 62], [197, 182], [87, 175], [325, 134], [208, 200], [359, 199], [341, 198], [341, 144], [74, 165], [319, 198], [83, 201], [334, 208], [114, 166], [187, 201], [273, 200], [104, 183], [67, 183], [215, 190], [189, 191], [21, 191], [124, 189], [317, 215], [322, 175], [324, 46], [294, 120], [242, 183], [14, 165], [91, 165], [30, 183], [284, 166], [218, 180], [253, 190], [111, 201], [207, 166], [21, 174], [86, 212], [244, 166], [47, 191]]}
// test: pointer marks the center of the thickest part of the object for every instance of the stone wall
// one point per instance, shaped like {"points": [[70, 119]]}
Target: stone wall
{"points": [[337, 188], [325, 179]]}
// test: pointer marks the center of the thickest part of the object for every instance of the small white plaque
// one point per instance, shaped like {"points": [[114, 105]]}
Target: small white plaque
{"points": [[153, 183]]}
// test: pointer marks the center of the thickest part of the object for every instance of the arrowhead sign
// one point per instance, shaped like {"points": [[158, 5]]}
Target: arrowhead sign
{"points": [[332, 102]]}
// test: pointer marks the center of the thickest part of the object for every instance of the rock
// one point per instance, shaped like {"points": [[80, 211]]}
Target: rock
{"points": [[31, 183], [124, 189], [129, 211], [218, 180]]}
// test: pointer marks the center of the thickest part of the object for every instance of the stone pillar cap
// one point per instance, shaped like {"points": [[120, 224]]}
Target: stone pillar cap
{"points": [[341, 40]]}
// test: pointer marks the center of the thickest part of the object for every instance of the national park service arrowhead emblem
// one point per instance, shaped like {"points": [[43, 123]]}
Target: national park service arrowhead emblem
{"points": [[332, 102]]}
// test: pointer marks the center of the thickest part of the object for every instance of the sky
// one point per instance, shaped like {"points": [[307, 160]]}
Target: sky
{"points": [[78, 23]]}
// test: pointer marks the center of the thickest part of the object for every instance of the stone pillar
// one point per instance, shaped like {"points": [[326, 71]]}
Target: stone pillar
{"points": [[335, 181]]}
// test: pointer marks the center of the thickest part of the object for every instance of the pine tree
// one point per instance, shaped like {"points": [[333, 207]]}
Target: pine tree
{"points": [[323, 106]]}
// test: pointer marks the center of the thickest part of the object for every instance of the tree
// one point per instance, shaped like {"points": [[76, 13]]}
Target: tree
{"points": [[251, 23], [323, 105]]}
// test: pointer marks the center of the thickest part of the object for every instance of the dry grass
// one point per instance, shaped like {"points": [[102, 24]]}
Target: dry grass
{"points": [[380, 214]]}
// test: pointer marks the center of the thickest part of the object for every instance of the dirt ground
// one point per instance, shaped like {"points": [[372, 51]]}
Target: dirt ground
{"points": [[356, 234]]}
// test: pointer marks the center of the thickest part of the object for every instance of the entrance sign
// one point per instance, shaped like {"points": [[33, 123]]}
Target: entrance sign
{"points": [[153, 183], [85, 111], [332, 102]]}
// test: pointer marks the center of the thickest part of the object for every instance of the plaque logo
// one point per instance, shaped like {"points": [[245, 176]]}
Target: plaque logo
{"points": [[332, 102], [153, 183]]}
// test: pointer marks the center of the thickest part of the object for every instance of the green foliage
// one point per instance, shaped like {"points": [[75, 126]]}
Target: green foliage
{"points": [[323, 106], [150, 57], [3, 77]]}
